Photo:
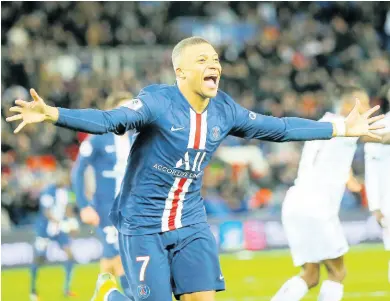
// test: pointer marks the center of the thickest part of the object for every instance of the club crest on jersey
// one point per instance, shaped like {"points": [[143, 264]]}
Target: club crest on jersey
{"points": [[134, 104], [252, 115], [143, 291], [216, 133]]}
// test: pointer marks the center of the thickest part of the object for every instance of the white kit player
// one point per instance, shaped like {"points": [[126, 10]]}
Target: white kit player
{"points": [[377, 177], [311, 207]]}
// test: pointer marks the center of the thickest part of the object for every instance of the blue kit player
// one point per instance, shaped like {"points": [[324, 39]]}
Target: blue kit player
{"points": [[165, 242], [55, 221], [107, 156]]}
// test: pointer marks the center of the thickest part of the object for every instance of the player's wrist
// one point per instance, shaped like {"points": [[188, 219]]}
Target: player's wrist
{"points": [[339, 128], [51, 114]]}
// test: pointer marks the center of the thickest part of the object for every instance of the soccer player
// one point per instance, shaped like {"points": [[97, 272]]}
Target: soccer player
{"points": [[311, 207], [55, 221], [107, 154], [377, 175], [164, 240]]}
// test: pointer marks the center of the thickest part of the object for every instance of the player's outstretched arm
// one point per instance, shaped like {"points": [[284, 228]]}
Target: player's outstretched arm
{"points": [[251, 125], [86, 120]]}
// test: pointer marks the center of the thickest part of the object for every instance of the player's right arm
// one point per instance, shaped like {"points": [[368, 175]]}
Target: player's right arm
{"points": [[89, 148], [135, 114]]}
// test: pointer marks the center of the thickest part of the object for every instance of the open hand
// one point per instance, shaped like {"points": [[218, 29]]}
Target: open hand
{"points": [[362, 124], [30, 112]]}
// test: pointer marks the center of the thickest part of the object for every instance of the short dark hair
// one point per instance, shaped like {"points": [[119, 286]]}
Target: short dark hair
{"points": [[114, 99], [178, 49]]}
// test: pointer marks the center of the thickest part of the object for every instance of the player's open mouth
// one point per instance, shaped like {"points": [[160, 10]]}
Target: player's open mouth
{"points": [[211, 81]]}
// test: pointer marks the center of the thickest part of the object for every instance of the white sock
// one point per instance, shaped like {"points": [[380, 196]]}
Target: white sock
{"points": [[331, 291], [293, 289]]}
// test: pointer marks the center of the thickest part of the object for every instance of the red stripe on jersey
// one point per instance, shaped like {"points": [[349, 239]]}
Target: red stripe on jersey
{"points": [[175, 203], [198, 130]]}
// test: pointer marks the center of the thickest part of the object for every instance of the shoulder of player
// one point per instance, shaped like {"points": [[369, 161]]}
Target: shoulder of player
{"points": [[160, 93]]}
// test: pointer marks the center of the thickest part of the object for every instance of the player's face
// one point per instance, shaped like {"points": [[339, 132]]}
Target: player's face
{"points": [[201, 68]]}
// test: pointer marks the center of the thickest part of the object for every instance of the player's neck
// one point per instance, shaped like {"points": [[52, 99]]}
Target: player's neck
{"points": [[197, 102]]}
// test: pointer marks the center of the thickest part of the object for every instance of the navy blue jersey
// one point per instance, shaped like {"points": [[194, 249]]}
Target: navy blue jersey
{"points": [[107, 154], [161, 188]]}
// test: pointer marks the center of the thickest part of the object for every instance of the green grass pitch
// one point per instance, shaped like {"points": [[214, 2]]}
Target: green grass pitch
{"points": [[249, 277]]}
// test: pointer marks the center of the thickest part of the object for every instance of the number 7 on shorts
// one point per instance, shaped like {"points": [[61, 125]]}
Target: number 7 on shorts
{"points": [[145, 260]]}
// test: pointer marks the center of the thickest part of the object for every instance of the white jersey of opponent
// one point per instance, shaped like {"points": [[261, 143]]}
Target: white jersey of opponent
{"points": [[323, 172], [377, 163]]}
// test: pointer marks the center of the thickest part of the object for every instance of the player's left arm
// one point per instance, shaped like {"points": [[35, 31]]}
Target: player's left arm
{"points": [[251, 125]]}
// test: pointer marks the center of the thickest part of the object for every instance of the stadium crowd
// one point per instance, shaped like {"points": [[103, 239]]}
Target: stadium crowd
{"points": [[77, 53]]}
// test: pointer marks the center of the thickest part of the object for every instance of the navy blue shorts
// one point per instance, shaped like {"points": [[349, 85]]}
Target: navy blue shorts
{"points": [[108, 236], [179, 262]]}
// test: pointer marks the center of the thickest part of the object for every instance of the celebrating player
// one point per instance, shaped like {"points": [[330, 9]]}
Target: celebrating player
{"points": [[107, 154], [165, 242], [377, 171], [55, 221], [310, 210]]}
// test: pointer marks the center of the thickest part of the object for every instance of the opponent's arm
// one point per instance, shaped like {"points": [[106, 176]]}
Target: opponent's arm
{"points": [[250, 125], [133, 115]]}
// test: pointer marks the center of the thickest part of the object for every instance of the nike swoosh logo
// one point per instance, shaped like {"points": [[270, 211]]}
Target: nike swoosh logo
{"points": [[173, 129], [221, 277]]}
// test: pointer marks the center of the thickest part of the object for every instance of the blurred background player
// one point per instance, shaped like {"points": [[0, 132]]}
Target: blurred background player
{"points": [[377, 173], [310, 210], [107, 156], [55, 222]]}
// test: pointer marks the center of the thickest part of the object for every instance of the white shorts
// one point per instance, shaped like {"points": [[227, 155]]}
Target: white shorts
{"points": [[313, 239], [386, 234], [377, 182]]}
